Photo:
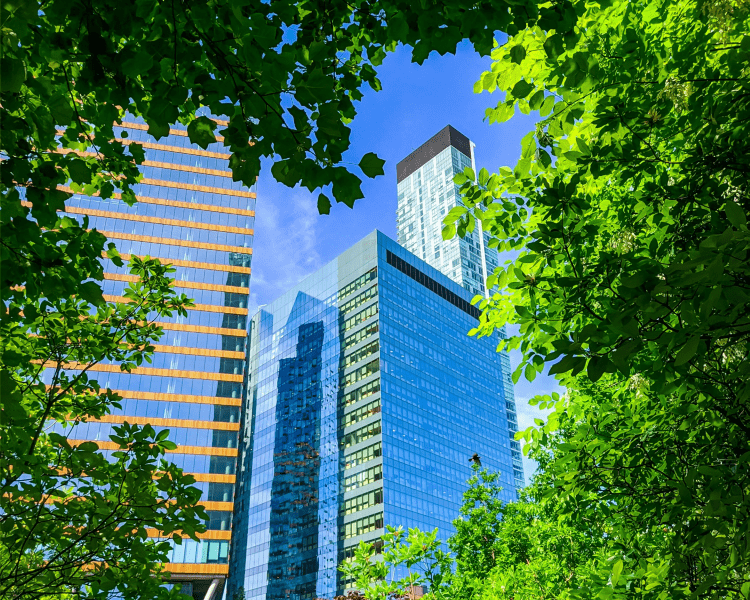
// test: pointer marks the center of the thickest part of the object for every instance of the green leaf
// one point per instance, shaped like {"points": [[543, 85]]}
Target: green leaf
{"points": [[201, 131], [318, 85], [346, 187], [616, 572], [547, 105], [735, 214], [61, 109], [371, 165], [536, 100], [635, 280], [522, 89], [158, 130], [11, 407], [454, 214], [138, 65], [398, 27], [517, 54], [91, 292], [687, 351], [324, 205], [87, 447], [596, 367], [79, 171], [12, 74]]}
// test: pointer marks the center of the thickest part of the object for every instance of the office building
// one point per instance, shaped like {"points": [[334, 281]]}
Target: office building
{"points": [[426, 193], [190, 214], [365, 401]]}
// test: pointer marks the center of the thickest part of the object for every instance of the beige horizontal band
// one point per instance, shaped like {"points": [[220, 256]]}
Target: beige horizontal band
{"points": [[133, 395], [213, 477], [198, 352], [92, 212], [211, 534], [229, 310], [189, 263], [205, 376], [172, 242], [144, 127], [156, 422], [176, 203], [208, 505], [186, 168], [191, 285], [197, 188], [195, 569], [155, 163], [199, 450], [180, 149], [202, 329]]}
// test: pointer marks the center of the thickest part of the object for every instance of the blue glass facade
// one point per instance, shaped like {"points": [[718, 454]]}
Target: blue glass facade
{"points": [[191, 215], [365, 400], [426, 194]]}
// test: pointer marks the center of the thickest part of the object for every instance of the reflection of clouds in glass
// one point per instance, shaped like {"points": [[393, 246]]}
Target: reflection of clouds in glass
{"points": [[285, 245]]}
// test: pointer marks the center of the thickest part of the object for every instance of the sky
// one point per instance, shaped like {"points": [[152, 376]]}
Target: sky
{"points": [[292, 240]]}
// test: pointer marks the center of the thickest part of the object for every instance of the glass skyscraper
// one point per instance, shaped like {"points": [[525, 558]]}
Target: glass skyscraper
{"points": [[192, 215], [365, 401], [426, 193]]}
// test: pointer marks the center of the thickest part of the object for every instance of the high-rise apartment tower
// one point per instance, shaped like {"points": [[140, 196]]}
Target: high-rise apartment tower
{"points": [[190, 214], [365, 401], [426, 193]]}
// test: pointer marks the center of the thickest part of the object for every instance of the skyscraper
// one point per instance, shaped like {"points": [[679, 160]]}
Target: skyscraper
{"points": [[426, 193], [365, 401], [190, 214]]}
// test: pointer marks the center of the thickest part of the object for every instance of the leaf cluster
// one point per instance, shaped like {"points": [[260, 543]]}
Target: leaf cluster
{"points": [[524, 550], [628, 209], [76, 522]]}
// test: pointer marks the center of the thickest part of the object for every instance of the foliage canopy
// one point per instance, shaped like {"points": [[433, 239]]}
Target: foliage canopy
{"points": [[525, 550], [629, 206]]}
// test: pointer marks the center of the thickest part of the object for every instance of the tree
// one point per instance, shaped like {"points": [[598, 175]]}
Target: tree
{"points": [[286, 76], [524, 550], [73, 522], [629, 208]]}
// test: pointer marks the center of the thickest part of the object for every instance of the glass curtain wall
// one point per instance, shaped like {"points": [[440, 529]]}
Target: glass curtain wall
{"points": [[191, 215], [365, 400], [426, 193]]}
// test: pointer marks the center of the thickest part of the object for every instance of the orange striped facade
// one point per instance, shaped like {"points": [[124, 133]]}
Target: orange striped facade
{"points": [[192, 216]]}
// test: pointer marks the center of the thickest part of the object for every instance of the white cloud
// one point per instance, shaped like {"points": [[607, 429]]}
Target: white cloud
{"points": [[285, 248]]}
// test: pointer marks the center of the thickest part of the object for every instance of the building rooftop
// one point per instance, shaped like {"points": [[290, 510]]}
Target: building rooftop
{"points": [[447, 136]]}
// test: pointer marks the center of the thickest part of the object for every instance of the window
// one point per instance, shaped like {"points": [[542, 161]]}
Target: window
{"points": [[366, 477], [363, 456], [362, 502], [363, 525], [371, 387], [357, 283], [432, 285]]}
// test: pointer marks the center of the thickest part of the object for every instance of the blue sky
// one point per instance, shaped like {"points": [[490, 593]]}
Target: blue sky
{"points": [[292, 240]]}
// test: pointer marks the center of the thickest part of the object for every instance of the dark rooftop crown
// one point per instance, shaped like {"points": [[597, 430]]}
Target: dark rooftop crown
{"points": [[448, 136]]}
